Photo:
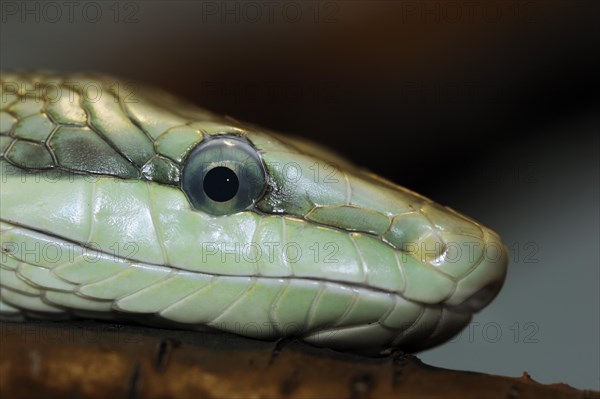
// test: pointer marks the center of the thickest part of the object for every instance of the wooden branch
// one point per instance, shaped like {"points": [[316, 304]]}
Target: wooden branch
{"points": [[98, 360]]}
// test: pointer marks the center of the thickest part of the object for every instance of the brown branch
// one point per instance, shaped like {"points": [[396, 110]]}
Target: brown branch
{"points": [[98, 360]]}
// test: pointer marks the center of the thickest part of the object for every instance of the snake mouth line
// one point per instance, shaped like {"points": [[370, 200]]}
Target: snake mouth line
{"points": [[388, 317], [6, 251]]}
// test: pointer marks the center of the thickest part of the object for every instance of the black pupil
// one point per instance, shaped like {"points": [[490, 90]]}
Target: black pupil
{"points": [[221, 184]]}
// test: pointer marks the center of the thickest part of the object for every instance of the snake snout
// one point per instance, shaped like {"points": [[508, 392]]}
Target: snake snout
{"points": [[483, 282]]}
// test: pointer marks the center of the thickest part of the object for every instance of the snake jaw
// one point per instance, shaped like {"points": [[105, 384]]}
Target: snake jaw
{"points": [[479, 299], [375, 265]]}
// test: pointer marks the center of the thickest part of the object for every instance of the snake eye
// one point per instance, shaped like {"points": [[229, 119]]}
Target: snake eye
{"points": [[223, 174]]}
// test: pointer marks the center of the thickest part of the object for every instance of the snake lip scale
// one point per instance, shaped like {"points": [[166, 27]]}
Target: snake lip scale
{"points": [[201, 198]]}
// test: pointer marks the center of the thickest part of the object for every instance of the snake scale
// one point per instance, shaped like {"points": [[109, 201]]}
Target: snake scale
{"points": [[123, 202]]}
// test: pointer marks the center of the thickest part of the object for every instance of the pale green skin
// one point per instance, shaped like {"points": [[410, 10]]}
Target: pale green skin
{"points": [[342, 261]]}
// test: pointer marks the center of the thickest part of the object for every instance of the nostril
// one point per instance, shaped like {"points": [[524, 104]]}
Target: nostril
{"points": [[479, 299]]}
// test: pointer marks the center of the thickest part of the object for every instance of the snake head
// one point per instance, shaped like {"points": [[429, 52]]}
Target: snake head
{"points": [[138, 206]]}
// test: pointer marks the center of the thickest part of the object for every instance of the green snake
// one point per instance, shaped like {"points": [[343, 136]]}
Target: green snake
{"points": [[123, 202]]}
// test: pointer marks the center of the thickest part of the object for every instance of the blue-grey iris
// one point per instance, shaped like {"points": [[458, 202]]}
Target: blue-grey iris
{"points": [[224, 174]]}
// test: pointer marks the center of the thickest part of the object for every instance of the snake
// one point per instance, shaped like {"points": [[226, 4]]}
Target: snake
{"points": [[122, 202]]}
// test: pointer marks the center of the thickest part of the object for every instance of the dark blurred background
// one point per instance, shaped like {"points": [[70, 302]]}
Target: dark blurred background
{"points": [[490, 107]]}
